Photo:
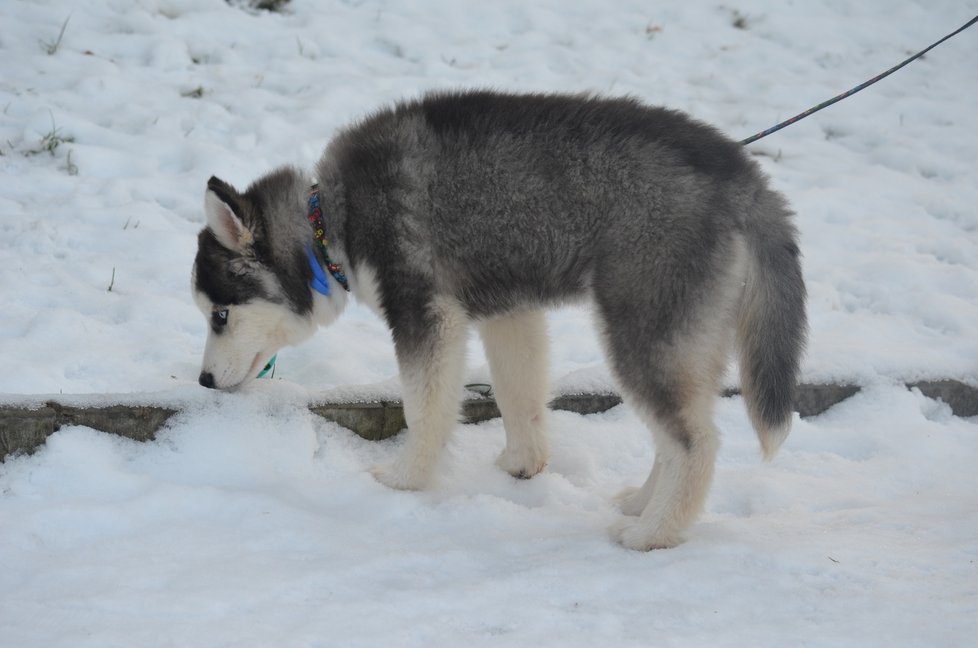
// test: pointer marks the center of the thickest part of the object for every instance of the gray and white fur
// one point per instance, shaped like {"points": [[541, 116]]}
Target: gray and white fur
{"points": [[485, 209]]}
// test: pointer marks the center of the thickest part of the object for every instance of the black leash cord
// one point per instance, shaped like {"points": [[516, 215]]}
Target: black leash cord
{"points": [[849, 93]]}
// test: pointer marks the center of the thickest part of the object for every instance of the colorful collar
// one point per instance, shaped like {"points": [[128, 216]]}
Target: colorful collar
{"points": [[319, 283]]}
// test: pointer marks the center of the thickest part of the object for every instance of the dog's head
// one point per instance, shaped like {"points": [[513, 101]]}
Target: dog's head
{"points": [[251, 276]]}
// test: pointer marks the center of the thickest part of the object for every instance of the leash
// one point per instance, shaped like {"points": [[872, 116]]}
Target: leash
{"points": [[849, 93]]}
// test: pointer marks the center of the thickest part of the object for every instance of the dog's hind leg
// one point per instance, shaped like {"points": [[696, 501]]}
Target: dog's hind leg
{"points": [[673, 495], [676, 400], [431, 360], [516, 346], [669, 371]]}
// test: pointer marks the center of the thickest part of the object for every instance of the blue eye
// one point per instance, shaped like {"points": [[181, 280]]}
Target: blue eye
{"points": [[219, 318]]}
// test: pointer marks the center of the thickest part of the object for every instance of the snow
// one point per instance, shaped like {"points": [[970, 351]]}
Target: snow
{"points": [[251, 522]]}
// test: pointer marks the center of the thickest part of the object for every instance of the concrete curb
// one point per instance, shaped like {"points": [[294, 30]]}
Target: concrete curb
{"points": [[23, 428]]}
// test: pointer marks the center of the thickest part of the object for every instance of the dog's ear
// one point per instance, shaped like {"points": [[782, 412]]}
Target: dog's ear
{"points": [[223, 207]]}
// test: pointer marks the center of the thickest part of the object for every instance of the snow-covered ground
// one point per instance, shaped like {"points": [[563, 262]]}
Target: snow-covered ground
{"points": [[251, 522]]}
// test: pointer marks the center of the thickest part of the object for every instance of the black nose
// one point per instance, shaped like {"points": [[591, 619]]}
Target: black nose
{"points": [[206, 379]]}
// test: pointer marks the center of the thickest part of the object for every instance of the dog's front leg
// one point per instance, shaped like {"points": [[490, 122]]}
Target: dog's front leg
{"points": [[516, 347], [431, 361]]}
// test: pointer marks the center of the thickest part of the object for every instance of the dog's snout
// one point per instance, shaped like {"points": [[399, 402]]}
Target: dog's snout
{"points": [[206, 379]]}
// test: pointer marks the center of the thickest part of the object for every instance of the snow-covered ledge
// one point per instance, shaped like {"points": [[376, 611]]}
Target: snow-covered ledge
{"points": [[27, 421]]}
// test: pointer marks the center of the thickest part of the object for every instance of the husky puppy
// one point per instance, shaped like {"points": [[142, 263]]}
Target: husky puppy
{"points": [[484, 209]]}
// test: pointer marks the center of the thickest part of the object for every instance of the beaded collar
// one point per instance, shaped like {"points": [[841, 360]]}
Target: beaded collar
{"points": [[319, 282]]}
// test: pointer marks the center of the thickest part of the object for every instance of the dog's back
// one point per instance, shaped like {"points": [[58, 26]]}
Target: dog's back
{"points": [[506, 198]]}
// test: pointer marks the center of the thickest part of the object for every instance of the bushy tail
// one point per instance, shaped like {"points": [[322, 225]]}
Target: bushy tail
{"points": [[771, 326]]}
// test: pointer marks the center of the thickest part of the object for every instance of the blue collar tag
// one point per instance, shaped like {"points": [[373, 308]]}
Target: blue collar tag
{"points": [[319, 282], [269, 369]]}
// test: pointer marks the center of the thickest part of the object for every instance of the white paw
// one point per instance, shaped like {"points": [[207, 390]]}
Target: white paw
{"points": [[522, 464], [631, 501], [632, 534], [394, 475]]}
